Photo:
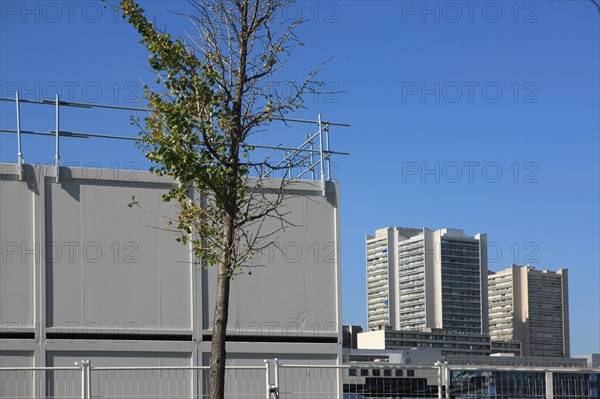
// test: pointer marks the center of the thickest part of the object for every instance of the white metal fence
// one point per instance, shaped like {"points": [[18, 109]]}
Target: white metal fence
{"points": [[288, 381]]}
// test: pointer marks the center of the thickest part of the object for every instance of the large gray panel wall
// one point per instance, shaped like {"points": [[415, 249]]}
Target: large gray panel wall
{"points": [[78, 262], [124, 267], [18, 253]]}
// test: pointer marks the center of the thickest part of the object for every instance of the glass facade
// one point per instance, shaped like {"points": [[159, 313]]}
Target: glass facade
{"points": [[461, 285]]}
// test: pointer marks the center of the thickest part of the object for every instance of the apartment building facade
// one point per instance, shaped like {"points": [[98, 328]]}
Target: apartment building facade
{"points": [[530, 306], [424, 279]]}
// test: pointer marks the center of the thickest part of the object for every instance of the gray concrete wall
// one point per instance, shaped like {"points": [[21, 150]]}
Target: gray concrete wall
{"points": [[83, 274]]}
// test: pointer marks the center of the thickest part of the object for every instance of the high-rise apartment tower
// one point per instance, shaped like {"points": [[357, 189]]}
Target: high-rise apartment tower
{"points": [[531, 306], [420, 278]]}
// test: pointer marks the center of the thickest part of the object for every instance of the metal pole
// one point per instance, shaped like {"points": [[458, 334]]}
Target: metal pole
{"points": [[289, 154], [327, 149], [19, 153], [440, 371], [447, 382], [57, 156], [312, 155], [321, 156], [89, 379], [549, 385], [267, 379], [276, 378], [83, 390]]}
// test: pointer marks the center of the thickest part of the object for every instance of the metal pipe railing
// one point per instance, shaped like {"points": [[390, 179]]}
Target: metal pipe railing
{"points": [[307, 147]]}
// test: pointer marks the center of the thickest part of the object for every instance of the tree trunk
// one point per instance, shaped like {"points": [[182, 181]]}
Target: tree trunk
{"points": [[218, 353]]}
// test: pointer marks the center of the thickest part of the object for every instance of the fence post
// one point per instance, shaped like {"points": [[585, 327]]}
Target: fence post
{"points": [[440, 371], [88, 373], [273, 389], [85, 379], [57, 156], [267, 378], [447, 379], [549, 385]]}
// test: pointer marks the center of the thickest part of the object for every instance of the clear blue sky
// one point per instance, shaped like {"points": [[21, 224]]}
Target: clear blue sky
{"points": [[499, 101]]}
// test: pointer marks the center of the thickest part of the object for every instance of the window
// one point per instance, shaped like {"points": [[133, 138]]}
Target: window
{"points": [[376, 373], [364, 372], [352, 372], [387, 373], [398, 372], [410, 373]]}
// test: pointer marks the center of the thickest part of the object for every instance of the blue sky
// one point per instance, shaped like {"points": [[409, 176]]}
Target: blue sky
{"points": [[482, 116]]}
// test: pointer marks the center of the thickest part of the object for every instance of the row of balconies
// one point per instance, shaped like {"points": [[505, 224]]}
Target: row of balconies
{"points": [[378, 313], [377, 280], [411, 274], [500, 300], [410, 246], [505, 315], [406, 308], [377, 266], [376, 296], [376, 286], [412, 285], [412, 267], [411, 299]]}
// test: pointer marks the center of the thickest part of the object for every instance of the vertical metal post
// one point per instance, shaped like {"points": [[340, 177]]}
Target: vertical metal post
{"points": [[328, 155], [447, 379], [276, 390], [19, 153], [440, 371], [549, 385], [312, 155], [267, 378], [321, 157], [85, 379], [289, 154], [57, 156], [83, 390], [88, 384]]}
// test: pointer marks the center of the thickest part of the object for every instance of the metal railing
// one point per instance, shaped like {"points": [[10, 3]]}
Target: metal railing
{"points": [[300, 381], [312, 157]]}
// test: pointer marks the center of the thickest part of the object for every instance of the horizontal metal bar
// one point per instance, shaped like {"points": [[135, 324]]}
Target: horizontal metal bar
{"points": [[107, 136], [76, 104], [312, 122], [524, 369], [94, 135], [88, 105], [316, 366], [51, 133], [179, 368], [362, 365], [38, 368], [295, 149]]}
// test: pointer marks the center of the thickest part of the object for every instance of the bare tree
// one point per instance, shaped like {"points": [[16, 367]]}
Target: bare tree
{"points": [[219, 85]]}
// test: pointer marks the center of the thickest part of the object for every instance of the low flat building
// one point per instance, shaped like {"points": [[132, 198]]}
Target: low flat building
{"points": [[426, 373], [448, 342], [592, 359]]}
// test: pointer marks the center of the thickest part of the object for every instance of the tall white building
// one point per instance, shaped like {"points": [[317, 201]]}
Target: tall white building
{"points": [[420, 278], [531, 306]]}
